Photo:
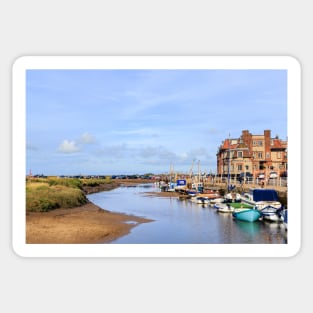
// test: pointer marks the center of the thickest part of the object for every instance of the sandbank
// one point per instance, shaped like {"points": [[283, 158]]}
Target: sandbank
{"points": [[81, 225]]}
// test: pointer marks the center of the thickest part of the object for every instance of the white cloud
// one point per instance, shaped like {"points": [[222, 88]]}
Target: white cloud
{"points": [[68, 147], [87, 139]]}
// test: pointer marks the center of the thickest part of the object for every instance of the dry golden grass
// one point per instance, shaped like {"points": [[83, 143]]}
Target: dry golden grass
{"points": [[42, 196]]}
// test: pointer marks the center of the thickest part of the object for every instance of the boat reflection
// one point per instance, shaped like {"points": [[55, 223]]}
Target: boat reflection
{"points": [[251, 228]]}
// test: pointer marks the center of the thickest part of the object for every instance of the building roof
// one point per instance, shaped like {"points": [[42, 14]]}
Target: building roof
{"points": [[278, 144], [226, 145]]}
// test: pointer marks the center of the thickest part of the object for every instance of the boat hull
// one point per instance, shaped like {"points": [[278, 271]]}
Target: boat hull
{"points": [[200, 200], [272, 214], [247, 215], [271, 217], [217, 200], [223, 208]]}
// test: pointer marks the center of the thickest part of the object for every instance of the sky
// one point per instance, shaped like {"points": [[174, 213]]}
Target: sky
{"points": [[110, 122]]}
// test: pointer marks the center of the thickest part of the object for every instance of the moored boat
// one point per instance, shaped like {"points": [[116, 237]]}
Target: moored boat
{"points": [[191, 192], [200, 200], [246, 214], [217, 200], [261, 198], [224, 208], [232, 197], [272, 214]]}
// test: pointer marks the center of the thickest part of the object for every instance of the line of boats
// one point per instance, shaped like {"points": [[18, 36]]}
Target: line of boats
{"points": [[257, 204]]}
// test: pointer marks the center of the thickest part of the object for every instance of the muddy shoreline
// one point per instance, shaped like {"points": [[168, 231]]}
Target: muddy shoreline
{"points": [[87, 224]]}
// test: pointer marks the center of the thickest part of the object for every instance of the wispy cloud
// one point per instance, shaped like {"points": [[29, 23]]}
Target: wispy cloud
{"points": [[87, 139], [68, 146], [138, 132], [73, 146]]}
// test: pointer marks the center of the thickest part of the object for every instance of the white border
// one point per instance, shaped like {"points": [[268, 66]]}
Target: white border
{"points": [[156, 62]]}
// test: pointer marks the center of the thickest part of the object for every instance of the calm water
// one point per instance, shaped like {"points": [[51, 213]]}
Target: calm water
{"points": [[181, 221]]}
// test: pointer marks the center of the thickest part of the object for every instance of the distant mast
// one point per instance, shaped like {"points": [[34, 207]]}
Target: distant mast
{"points": [[228, 169]]}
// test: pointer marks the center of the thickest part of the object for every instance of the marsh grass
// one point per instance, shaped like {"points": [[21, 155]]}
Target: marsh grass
{"points": [[95, 182], [44, 196]]}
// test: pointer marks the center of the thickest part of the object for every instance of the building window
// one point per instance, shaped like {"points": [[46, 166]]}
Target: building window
{"points": [[239, 154], [239, 167], [268, 155], [260, 155], [278, 155], [258, 143]]}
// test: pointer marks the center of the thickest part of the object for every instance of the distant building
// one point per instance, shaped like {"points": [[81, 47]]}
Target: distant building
{"points": [[253, 154]]}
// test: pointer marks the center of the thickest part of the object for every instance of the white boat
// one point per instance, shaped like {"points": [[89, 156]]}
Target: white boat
{"points": [[233, 197], [271, 214], [261, 198], [200, 200], [217, 200], [224, 208]]}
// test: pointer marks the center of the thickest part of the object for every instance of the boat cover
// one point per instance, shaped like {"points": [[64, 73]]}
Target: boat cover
{"points": [[265, 195]]}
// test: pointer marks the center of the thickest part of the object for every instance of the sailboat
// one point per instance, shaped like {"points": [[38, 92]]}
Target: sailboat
{"points": [[196, 183], [171, 185]]}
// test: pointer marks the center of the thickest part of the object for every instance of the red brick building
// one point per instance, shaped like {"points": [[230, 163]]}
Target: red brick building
{"points": [[252, 153]]}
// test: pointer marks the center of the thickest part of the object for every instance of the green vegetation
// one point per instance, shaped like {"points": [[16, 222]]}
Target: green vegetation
{"points": [[43, 197], [237, 205], [46, 194], [93, 182]]}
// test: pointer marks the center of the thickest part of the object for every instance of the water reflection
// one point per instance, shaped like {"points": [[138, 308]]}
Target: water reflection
{"points": [[182, 221], [249, 228]]}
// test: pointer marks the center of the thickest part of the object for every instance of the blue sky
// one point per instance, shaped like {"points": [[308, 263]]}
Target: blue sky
{"points": [[141, 121]]}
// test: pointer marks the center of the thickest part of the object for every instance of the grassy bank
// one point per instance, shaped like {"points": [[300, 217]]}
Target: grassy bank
{"points": [[46, 194]]}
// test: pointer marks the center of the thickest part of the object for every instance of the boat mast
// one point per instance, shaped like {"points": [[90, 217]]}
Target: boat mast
{"points": [[191, 173], [170, 185], [228, 170], [199, 179]]}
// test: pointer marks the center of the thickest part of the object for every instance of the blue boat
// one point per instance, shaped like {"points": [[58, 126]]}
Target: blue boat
{"points": [[261, 198], [247, 215]]}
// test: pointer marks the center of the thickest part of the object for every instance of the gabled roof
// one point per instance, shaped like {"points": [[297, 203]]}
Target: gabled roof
{"points": [[278, 144], [226, 145]]}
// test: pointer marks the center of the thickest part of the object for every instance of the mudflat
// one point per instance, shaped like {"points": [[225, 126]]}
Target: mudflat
{"points": [[81, 225]]}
